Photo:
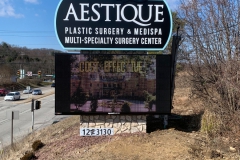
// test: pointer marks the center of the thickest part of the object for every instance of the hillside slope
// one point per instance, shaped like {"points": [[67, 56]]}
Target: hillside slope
{"points": [[182, 139]]}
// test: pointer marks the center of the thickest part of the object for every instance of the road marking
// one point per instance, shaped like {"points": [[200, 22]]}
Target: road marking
{"points": [[25, 111], [4, 121], [10, 119], [35, 97]]}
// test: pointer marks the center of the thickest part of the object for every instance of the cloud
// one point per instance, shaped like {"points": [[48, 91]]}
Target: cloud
{"points": [[7, 10], [31, 1]]}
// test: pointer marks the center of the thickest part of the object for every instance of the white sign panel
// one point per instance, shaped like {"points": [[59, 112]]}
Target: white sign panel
{"points": [[96, 131], [29, 73], [15, 115]]}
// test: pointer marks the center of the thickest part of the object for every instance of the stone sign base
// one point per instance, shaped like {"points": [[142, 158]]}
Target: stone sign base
{"points": [[119, 123]]}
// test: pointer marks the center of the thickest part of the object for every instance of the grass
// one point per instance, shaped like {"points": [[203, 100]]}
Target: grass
{"points": [[210, 123], [49, 134]]}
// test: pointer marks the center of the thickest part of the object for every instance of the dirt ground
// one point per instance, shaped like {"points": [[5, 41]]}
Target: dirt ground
{"points": [[182, 140]]}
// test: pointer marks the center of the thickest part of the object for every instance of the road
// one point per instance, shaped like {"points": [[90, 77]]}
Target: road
{"points": [[23, 126], [45, 89]]}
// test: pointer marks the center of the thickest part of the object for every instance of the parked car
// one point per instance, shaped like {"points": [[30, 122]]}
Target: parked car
{"points": [[12, 96], [3, 92], [36, 92], [53, 85], [26, 91]]}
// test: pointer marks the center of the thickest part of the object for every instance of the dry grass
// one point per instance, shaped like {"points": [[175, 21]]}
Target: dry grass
{"points": [[62, 140], [48, 135], [210, 123]]}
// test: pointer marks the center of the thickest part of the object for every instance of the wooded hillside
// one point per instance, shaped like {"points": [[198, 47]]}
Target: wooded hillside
{"points": [[13, 58]]}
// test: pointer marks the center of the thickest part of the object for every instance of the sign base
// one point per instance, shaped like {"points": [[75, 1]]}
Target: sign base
{"points": [[119, 123]]}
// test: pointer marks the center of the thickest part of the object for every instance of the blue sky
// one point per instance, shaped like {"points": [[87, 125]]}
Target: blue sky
{"points": [[30, 23]]}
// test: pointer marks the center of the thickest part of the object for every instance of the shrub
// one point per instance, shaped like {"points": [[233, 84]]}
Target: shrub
{"points": [[24, 81], [29, 82], [125, 107], [94, 105], [36, 82], [28, 156], [179, 67], [37, 145], [210, 123]]}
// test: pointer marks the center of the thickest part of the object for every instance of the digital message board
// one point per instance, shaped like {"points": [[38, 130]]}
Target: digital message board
{"points": [[112, 84], [113, 24]]}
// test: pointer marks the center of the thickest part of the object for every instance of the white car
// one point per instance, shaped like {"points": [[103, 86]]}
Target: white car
{"points": [[26, 91], [11, 96]]}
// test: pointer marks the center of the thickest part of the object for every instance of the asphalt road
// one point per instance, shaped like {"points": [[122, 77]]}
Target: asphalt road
{"points": [[23, 126], [25, 96]]}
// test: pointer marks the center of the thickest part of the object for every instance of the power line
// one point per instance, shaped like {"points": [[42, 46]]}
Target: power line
{"points": [[24, 36], [38, 44], [9, 31]]}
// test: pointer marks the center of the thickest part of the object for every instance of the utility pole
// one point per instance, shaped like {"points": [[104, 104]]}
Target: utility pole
{"points": [[32, 109], [12, 129], [13, 115]]}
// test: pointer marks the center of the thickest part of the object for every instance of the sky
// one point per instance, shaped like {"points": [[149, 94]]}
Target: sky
{"points": [[30, 23]]}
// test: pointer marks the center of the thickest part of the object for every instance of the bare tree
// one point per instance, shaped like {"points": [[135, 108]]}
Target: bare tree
{"points": [[211, 45], [27, 59], [5, 74]]}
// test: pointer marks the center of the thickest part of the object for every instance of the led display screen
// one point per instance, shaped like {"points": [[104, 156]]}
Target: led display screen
{"points": [[112, 84]]}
